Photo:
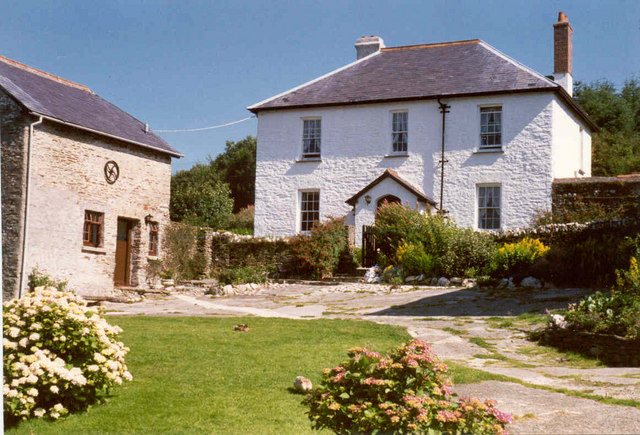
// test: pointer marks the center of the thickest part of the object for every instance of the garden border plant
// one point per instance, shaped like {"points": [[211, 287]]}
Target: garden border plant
{"points": [[59, 355], [405, 391]]}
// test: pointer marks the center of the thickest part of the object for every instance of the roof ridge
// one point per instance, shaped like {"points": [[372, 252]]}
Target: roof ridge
{"points": [[44, 74], [434, 44]]}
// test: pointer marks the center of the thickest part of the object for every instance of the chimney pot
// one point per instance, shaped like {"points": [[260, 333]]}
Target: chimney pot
{"points": [[367, 45]]}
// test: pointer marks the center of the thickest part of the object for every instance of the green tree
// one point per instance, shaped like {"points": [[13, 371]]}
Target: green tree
{"points": [[200, 197], [616, 146], [237, 167]]}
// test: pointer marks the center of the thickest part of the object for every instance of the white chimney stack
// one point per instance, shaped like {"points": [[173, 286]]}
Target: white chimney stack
{"points": [[368, 45], [563, 53]]}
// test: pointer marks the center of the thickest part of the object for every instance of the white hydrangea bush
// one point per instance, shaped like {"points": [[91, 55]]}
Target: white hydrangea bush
{"points": [[59, 355]]}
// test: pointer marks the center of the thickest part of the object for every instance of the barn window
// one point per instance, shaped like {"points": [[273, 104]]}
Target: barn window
{"points": [[92, 234], [153, 239]]}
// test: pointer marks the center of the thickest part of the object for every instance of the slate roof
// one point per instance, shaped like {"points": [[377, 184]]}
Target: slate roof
{"points": [[390, 173], [45, 94], [461, 68]]}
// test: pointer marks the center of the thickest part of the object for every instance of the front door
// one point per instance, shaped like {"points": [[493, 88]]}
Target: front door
{"points": [[123, 253]]}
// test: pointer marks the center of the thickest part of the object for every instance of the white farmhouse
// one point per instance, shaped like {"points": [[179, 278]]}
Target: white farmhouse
{"points": [[457, 126]]}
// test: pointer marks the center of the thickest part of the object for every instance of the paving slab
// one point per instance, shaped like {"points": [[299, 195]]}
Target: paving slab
{"points": [[546, 412]]}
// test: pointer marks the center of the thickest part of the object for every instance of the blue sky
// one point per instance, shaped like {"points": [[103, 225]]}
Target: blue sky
{"points": [[189, 64]]}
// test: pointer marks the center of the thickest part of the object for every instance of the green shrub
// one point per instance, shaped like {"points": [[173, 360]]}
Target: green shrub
{"points": [[59, 356], [414, 261], [587, 260], [517, 258], [242, 221], [183, 251], [628, 281], [455, 251], [617, 314], [39, 279], [397, 224], [243, 275], [318, 253], [403, 392], [466, 253]]}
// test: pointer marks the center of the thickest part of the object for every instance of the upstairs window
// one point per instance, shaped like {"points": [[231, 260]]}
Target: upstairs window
{"points": [[92, 233], [311, 138], [491, 127], [400, 131], [489, 207], [309, 210], [153, 239]]}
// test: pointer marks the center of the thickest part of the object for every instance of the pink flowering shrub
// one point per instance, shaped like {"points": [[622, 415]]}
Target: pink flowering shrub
{"points": [[59, 356], [403, 392]]}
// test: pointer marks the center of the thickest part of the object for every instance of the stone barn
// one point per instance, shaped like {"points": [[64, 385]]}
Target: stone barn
{"points": [[85, 186]]}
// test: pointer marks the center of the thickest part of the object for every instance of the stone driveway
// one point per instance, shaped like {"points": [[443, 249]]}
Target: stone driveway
{"points": [[479, 329]]}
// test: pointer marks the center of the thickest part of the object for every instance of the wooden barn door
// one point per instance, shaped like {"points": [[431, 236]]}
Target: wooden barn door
{"points": [[123, 253]]}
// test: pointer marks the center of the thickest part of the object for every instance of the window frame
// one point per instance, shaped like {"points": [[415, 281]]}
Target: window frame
{"points": [[305, 225], [97, 220], [312, 155], [154, 238], [500, 133], [392, 122], [480, 208]]}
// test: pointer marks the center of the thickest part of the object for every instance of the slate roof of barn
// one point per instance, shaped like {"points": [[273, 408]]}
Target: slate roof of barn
{"points": [[73, 104]]}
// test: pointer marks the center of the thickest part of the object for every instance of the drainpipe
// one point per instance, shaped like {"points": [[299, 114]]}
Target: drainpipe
{"points": [[25, 231], [444, 109]]}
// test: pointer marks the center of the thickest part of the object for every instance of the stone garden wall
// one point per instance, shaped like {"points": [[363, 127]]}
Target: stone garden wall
{"points": [[227, 250], [618, 196]]}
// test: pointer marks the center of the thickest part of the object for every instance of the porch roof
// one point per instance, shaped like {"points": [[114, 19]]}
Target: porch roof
{"points": [[390, 173]]}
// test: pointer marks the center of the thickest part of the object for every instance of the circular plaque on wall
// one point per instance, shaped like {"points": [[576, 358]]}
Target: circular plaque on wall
{"points": [[111, 171]]}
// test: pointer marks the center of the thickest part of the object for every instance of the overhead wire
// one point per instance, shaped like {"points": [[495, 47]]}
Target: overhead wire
{"points": [[205, 128]]}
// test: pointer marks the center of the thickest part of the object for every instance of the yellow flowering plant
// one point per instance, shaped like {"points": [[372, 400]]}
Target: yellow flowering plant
{"points": [[59, 355], [516, 258]]}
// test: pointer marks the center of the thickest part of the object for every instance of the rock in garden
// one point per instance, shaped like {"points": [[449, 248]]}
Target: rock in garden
{"points": [[557, 321], [302, 384], [371, 275], [504, 283], [531, 282], [443, 282], [434, 282], [456, 281], [469, 283], [410, 279], [227, 289]]}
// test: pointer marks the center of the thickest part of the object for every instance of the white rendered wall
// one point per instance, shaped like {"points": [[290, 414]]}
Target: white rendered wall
{"points": [[356, 142], [571, 144]]}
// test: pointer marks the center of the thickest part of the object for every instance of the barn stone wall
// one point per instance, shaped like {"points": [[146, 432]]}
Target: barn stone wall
{"points": [[14, 132]]}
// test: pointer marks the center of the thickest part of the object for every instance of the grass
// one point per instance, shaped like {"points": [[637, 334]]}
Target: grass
{"points": [[197, 375], [553, 356], [521, 321], [455, 331]]}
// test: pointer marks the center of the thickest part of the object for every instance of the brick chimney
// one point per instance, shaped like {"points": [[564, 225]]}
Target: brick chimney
{"points": [[368, 45], [563, 53]]}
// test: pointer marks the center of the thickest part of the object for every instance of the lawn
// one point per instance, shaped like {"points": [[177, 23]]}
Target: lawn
{"points": [[198, 375]]}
